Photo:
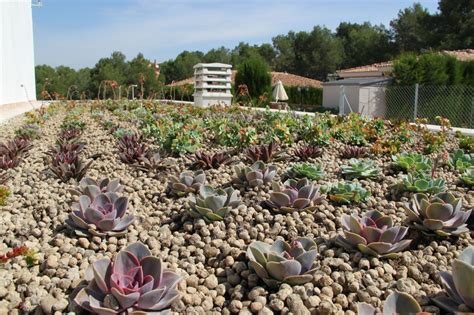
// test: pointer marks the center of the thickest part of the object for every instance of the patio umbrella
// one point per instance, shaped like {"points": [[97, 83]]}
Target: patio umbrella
{"points": [[279, 93]]}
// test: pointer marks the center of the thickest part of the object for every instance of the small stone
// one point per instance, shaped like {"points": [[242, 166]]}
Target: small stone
{"points": [[211, 282], [84, 242], [60, 305], [296, 305], [52, 262], [235, 306], [47, 304], [256, 306]]}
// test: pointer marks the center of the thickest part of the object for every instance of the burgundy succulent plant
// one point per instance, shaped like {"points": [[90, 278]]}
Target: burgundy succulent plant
{"points": [[69, 135], [304, 152], [350, 152], [67, 165], [264, 153], [8, 161], [131, 149], [203, 160], [133, 283]]}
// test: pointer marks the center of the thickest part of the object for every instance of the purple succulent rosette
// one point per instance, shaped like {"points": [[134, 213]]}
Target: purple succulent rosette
{"points": [[88, 186], [282, 262], [188, 182], [134, 283], [459, 284], [294, 196], [373, 234], [101, 215], [441, 215], [256, 175]]}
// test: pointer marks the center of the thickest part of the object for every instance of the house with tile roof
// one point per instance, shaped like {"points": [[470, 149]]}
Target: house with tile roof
{"points": [[362, 89]]}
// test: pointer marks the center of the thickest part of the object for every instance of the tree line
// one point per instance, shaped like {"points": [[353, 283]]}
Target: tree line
{"points": [[313, 54]]}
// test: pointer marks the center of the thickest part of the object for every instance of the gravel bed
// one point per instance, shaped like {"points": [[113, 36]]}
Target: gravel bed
{"points": [[210, 256]]}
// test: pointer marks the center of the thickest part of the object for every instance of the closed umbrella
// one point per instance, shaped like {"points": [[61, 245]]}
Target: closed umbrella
{"points": [[279, 93]]}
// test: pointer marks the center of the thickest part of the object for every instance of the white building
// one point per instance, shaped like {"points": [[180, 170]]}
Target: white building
{"points": [[212, 84], [364, 95], [17, 67]]}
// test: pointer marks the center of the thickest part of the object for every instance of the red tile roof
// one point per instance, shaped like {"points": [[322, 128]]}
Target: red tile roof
{"points": [[463, 55], [287, 79]]}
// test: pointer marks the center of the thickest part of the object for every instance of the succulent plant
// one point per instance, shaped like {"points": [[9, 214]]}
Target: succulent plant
{"points": [[346, 192], [72, 123], [396, 303], [68, 165], [458, 284], [373, 234], [17, 147], [100, 213], [66, 147], [29, 132], [360, 169], [256, 175], [420, 183], [467, 177], [130, 148], [304, 152], [4, 194], [208, 161], [282, 262], [441, 215], [460, 160], [135, 282], [9, 160], [151, 161], [264, 153], [91, 188], [213, 204], [305, 170], [294, 196], [350, 152], [21, 144], [69, 135], [188, 182], [411, 162]]}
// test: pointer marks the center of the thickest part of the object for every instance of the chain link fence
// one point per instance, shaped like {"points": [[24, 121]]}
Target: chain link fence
{"points": [[411, 102]]}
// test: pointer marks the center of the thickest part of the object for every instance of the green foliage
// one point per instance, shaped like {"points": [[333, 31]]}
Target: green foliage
{"points": [[4, 194], [467, 177], [411, 28], [304, 96], [460, 160], [254, 73], [430, 69], [466, 143], [120, 132], [305, 170], [360, 169], [411, 162], [364, 44], [420, 183], [346, 192], [72, 124]]}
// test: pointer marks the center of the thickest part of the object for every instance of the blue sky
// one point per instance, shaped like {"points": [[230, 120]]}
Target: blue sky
{"points": [[77, 33]]}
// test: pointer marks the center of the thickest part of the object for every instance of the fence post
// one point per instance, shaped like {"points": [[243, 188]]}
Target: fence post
{"points": [[341, 100], [415, 111]]}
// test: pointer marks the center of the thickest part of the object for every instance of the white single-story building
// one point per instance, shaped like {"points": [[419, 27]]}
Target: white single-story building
{"points": [[17, 66], [364, 95]]}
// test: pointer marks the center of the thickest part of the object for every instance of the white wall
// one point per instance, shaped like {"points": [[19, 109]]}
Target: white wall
{"points": [[372, 101], [16, 53]]}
